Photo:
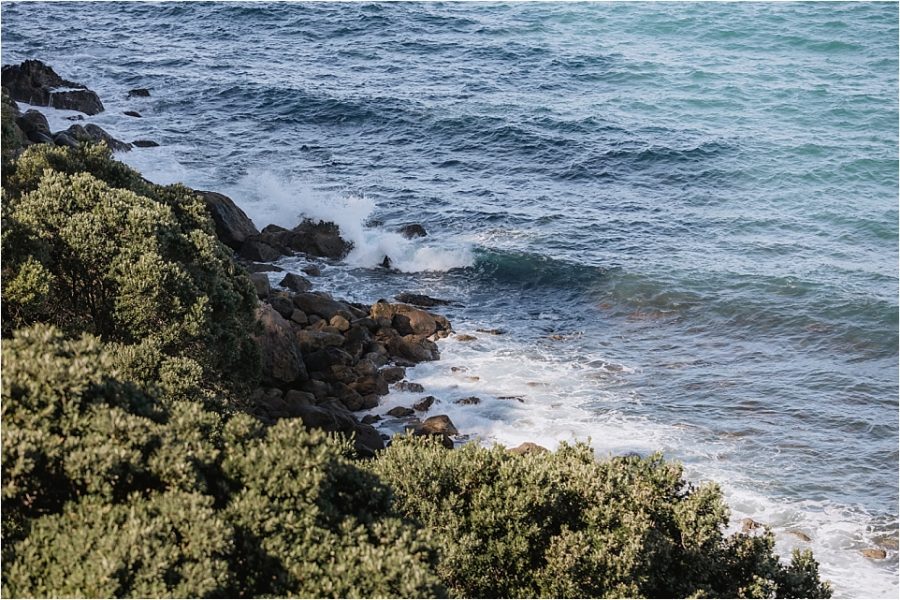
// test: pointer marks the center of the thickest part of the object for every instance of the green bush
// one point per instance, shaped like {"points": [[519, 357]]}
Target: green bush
{"points": [[108, 492], [565, 525], [90, 246]]}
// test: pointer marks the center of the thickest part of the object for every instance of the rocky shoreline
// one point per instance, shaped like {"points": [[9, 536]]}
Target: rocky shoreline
{"points": [[324, 359]]}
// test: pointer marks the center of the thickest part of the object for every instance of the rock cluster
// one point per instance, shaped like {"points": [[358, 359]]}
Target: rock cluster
{"points": [[38, 84]]}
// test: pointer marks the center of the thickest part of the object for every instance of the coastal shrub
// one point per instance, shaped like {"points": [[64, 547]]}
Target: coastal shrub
{"points": [[90, 246], [563, 524], [11, 137], [108, 492]]}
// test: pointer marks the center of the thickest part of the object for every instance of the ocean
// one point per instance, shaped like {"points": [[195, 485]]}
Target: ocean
{"points": [[682, 217]]}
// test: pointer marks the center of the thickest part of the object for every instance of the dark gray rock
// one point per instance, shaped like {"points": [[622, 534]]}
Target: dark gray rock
{"points": [[95, 135], [144, 144], [322, 305], [420, 300], [35, 127], [296, 283], [253, 267], [312, 270], [64, 139], [38, 84], [280, 355], [233, 226], [260, 281], [367, 440], [132, 113], [408, 386], [138, 93], [413, 230], [254, 248]]}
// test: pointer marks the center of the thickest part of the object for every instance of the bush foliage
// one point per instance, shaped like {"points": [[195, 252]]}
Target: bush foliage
{"points": [[127, 469], [565, 525]]}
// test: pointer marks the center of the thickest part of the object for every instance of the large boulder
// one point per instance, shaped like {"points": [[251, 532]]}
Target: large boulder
{"points": [[309, 237], [420, 300], [38, 84], [409, 320], [233, 226], [321, 304], [415, 348], [35, 127], [281, 357]]}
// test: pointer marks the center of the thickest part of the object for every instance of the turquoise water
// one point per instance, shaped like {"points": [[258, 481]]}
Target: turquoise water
{"points": [[684, 215]]}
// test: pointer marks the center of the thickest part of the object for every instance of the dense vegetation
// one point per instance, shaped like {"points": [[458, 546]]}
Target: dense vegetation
{"points": [[129, 468]]}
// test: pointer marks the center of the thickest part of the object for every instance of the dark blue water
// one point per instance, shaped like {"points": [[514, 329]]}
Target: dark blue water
{"points": [[684, 216]]}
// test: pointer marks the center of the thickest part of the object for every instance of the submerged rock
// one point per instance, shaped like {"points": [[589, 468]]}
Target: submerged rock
{"points": [[413, 230], [144, 144], [420, 300], [469, 401], [138, 93], [408, 386], [132, 113], [38, 84], [874, 553]]}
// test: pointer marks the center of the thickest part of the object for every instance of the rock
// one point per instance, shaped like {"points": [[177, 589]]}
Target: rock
{"points": [[341, 324], [407, 386], [145, 144], [311, 340], [393, 374], [420, 300], [516, 398], [38, 84], [408, 320], [416, 348], [75, 118], [96, 135], [297, 398], [281, 302], [459, 369], [35, 127], [370, 385], [470, 401], [367, 440], [254, 267], [412, 230], [874, 553], [256, 249], [438, 424], [260, 281], [280, 355], [800, 535], [312, 270], [321, 304], [425, 403], [387, 263], [138, 93], [296, 283], [233, 226], [492, 331], [399, 412], [322, 360], [132, 113], [528, 448], [299, 317], [749, 525], [312, 238], [465, 337], [64, 139], [369, 419]]}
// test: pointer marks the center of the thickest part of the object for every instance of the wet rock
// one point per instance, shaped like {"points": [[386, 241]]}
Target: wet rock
{"points": [[370, 385], [280, 355], [425, 403], [322, 360], [459, 369], [256, 249], [296, 283], [749, 524], [799, 535], [415, 348], [38, 84], [254, 267], [75, 118], [233, 226], [469, 401], [387, 263], [399, 412], [35, 127], [408, 386], [408, 320], [132, 113], [413, 230], [138, 93], [96, 135], [312, 270], [311, 340], [299, 317], [465, 337], [144, 144], [309, 237], [528, 448], [321, 304], [369, 419], [874, 553], [492, 331], [420, 300], [393, 374], [438, 424], [260, 281], [516, 398]]}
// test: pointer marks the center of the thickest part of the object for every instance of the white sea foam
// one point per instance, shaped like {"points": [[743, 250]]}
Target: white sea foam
{"points": [[563, 402], [269, 198]]}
